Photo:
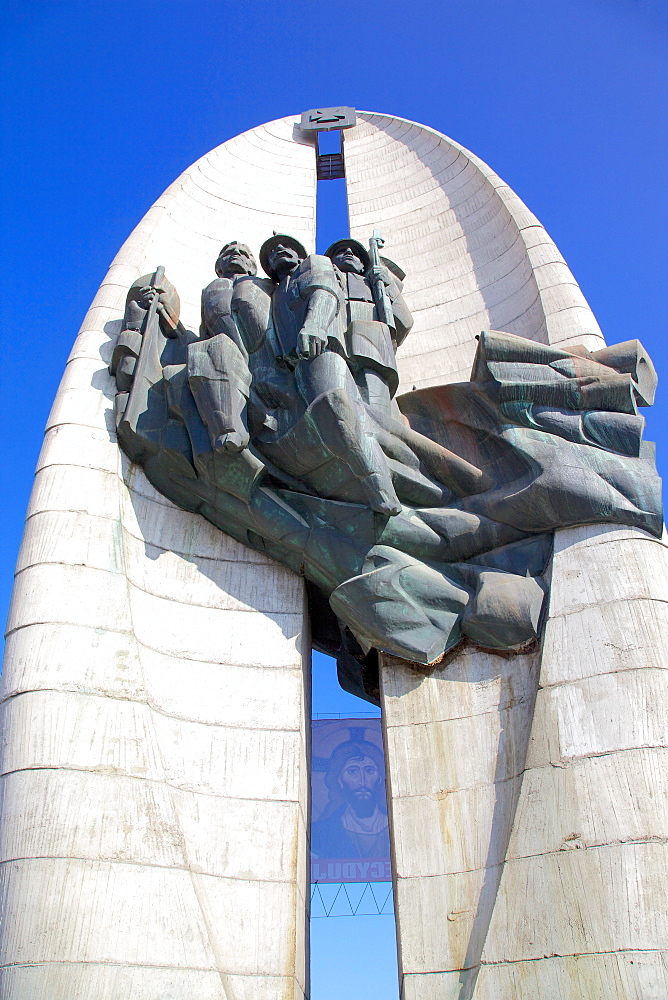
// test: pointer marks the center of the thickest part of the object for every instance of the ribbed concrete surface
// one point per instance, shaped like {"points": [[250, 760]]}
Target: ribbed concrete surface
{"points": [[475, 256], [154, 757], [154, 781], [526, 794]]}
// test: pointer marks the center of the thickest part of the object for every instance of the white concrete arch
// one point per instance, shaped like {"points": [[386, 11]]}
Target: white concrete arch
{"points": [[154, 762]]}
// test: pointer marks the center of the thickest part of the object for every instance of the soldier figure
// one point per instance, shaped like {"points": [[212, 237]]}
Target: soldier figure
{"points": [[369, 344], [218, 362], [328, 427]]}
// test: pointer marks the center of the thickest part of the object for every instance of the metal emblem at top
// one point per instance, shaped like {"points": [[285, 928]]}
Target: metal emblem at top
{"points": [[325, 119]]}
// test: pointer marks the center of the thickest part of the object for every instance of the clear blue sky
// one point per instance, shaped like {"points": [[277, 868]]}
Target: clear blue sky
{"points": [[105, 102]]}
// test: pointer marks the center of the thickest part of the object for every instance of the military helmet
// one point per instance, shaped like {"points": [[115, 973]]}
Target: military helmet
{"points": [[359, 249], [274, 241], [363, 254]]}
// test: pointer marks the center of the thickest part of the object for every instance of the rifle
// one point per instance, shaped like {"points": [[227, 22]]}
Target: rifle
{"points": [[382, 299], [147, 362]]}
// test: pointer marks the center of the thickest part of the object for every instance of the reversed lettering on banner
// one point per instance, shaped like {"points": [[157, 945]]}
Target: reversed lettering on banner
{"points": [[350, 839]]}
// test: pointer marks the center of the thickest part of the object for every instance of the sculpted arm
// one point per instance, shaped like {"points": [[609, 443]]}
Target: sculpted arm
{"points": [[403, 318], [322, 309], [320, 287], [402, 314], [217, 315], [168, 310], [251, 307], [138, 303]]}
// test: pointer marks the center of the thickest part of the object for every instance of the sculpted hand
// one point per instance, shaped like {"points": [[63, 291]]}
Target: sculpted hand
{"points": [[380, 272], [311, 342], [169, 320], [147, 295]]}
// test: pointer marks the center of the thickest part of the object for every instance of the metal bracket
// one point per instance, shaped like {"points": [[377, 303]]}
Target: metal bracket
{"points": [[326, 119]]}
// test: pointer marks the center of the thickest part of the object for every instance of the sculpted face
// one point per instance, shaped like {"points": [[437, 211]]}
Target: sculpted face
{"points": [[347, 260], [283, 259], [235, 258], [360, 782]]}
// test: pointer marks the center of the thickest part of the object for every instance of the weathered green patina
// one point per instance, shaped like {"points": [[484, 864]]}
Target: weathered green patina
{"points": [[418, 521]]}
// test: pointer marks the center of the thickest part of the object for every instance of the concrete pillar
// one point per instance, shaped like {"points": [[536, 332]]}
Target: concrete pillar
{"points": [[581, 909], [526, 794], [456, 742], [155, 689]]}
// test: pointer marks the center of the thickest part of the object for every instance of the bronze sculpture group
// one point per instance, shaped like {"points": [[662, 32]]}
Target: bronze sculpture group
{"points": [[419, 520]]}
